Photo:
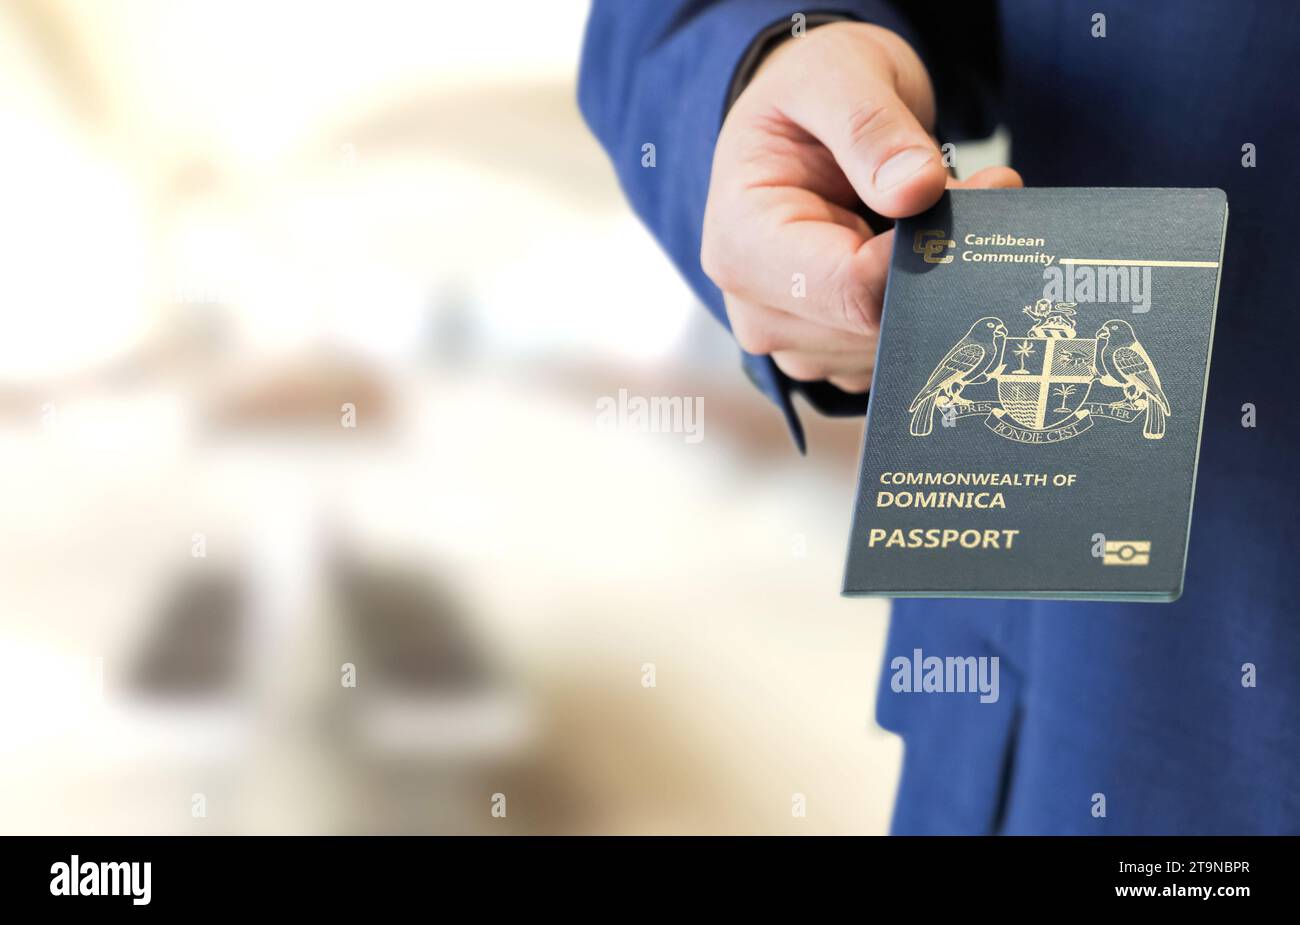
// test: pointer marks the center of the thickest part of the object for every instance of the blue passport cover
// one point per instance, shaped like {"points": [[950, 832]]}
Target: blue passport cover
{"points": [[1035, 417]]}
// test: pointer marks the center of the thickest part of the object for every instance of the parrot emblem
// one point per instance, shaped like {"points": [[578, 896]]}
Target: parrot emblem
{"points": [[969, 362], [1125, 364]]}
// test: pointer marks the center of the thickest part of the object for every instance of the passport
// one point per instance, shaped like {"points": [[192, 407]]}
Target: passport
{"points": [[1035, 416]]}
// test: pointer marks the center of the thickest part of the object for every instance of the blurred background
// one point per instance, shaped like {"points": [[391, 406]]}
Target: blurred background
{"points": [[309, 522]]}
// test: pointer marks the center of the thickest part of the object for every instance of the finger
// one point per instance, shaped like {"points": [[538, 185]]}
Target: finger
{"points": [[815, 367], [816, 260], [856, 385], [868, 116], [761, 329], [794, 259], [989, 178]]}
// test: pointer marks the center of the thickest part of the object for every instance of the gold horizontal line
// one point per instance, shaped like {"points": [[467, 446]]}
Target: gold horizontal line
{"points": [[1141, 263]]}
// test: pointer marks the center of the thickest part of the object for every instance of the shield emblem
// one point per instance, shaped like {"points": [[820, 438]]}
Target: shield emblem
{"points": [[1045, 380]]}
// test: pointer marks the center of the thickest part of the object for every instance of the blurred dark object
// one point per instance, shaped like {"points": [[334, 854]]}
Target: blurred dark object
{"points": [[426, 689], [408, 632], [194, 652]]}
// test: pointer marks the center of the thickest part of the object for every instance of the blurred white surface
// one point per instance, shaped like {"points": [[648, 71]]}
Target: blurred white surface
{"points": [[214, 201]]}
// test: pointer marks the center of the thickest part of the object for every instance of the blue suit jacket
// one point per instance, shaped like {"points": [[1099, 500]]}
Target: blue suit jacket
{"points": [[1142, 703]]}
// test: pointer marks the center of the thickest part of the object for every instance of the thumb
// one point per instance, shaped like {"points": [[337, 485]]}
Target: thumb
{"points": [[990, 178], [864, 94]]}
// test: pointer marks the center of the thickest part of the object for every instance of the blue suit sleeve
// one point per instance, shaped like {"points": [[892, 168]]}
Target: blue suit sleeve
{"points": [[660, 72]]}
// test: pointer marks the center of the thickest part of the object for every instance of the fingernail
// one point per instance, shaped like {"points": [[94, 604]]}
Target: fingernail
{"points": [[901, 166]]}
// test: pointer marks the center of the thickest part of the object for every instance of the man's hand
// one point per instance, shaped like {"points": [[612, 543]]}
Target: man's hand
{"points": [[839, 116]]}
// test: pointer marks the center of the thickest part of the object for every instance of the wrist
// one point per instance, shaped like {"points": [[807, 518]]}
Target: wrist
{"points": [[817, 56], [770, 40]]}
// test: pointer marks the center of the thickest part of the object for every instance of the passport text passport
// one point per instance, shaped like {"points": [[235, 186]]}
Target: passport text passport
{"points": [[1035, 416]]}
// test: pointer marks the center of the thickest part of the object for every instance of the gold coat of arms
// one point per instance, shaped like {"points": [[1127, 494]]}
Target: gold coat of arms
{"points": [[1044, 379]]}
